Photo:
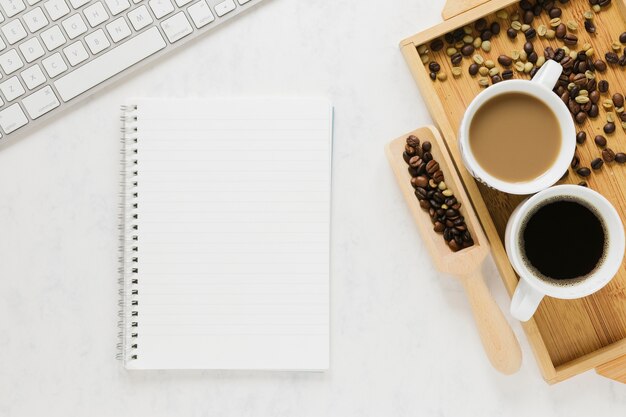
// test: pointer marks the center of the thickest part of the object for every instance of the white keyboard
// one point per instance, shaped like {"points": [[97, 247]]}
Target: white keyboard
{"points": [[55, 52]]}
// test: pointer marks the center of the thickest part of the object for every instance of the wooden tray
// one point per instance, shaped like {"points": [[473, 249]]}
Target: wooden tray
{"points": [[567, 337]]}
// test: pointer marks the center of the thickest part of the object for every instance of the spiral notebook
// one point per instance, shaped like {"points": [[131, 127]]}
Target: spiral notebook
{"points": [[226, 234]]}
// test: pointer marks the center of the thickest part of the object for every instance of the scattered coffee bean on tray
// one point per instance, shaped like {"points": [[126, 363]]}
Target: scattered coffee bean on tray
{"points": [[609, 128], [608, 155], [581, 137], [620, 157], [600, 141], [597, 163], [583, 172], [434, 196]]}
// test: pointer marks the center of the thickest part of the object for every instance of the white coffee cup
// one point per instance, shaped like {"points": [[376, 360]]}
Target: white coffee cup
{"points": [[539, 87], [531, 288]]}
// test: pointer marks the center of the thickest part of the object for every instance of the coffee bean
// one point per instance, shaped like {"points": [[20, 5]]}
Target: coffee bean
{"points": [[409, 150], [622, 61], [528, 17], [570, 39], [467, 50], [457, 58], [611, 58], [594, 96], [590, 27], [511, 33], [575, 162], [580, 117], [603, 86], [485, 35], [415, 161], [599, 65], [505, 60], [426, 146], [495, 28], [438, 177], [608, 155], [622, 37], [622, 117], [495, 79], [600, 141], [583, 184], [533, 57], [473, 69], [618, 100], [454, 245], [597, 163], [449, 38], [433, 76], [413, 141], [507, 74], [609, 128], [581, 137], [561, 31], [480, 24], [556, 12], [528, 47], [427, 157], [620, 157], [583, 172], [532, 33], [593, 111], [424, 204], [436, 45], [434, 67]]}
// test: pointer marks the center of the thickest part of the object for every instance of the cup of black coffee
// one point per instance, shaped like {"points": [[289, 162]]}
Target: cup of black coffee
{"points": [[565, 242]]}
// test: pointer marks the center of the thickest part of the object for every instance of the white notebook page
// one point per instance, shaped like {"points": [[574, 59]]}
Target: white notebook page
{"points": [[233, 226]]}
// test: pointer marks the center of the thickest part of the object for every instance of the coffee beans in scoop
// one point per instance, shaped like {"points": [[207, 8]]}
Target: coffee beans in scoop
{"points": [[434, 196]]}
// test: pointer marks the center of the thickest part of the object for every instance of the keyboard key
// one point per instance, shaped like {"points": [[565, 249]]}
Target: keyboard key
{"points": [[75, 53], [97, 41], [14, 31], [35, 19], [54, 65], [32, 49], [12, 88], [74, 26], [53, 38], [224, 7], [56, 8], [78, 3], [12, 118], [32, 2], [10, 61], [161, 8], [200, 14], [118, 29], [96, 14], [140, 17], [181, 3], [12, 7], [117, 6], [33, 77], [242, 2], [40, 102], [2, 44], [176, 27], [109, 64]]}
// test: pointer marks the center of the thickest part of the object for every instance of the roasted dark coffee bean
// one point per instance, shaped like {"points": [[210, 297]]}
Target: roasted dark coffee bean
{"points": [[533, 57], [579, 80], [412, 172], [586, 107], [528, 47], [507, 74], [597, 163], [413, 141], [473, 69], [439, 198], [467, 50], [556, 12], [456, 59], [420, 181], [600, 141], [565, 97], [559, 54], [609, 128], [622, 37], [529, 16], [485, 35], [449, 38], [603, 86], [533, 72], [575, 162], [427, 146], [434, 67], [594, 96], [537, 9], [424, 204], [447, 235], [570, 39], [439, 227], [611, 57], [525, 5], [427, 157], [432, 167], [593, 111], [505, 61], [580, 117], [549, 52], [583, 184], [561, 31], [581, 137], [590, 27], [408, 149], [583, 172], [454, 245], [622, 61], [495, 28], [438, 176], [573, 107], [608, 155], [433, 75], [620, 157], [434, 204], [458, 34], [480, 24], [531, 33], [567, 63], [618, 100], [436, 45], [450, 213], [622, 117], [495, 79], [511, 33], [415, 161]]}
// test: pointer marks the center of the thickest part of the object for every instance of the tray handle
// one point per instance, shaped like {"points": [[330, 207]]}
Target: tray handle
{"points": [[615, 369], [456, 7]]}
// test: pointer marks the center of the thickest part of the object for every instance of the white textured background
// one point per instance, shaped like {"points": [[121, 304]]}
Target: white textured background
{"points": [[403, 341]]}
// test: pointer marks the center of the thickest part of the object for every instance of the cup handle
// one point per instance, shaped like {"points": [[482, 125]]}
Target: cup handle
{"points": [[525, 301], [548, 74]]}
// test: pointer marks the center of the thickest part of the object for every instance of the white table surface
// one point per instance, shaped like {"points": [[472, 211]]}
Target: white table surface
{"points": [[403, 341]]}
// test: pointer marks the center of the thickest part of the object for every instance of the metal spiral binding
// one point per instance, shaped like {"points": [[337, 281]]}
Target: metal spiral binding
{"points": [[129, 239]]}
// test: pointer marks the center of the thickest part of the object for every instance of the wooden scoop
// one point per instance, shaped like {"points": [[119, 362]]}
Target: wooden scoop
{"points": [[497, 337]]}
